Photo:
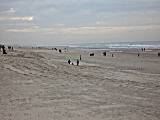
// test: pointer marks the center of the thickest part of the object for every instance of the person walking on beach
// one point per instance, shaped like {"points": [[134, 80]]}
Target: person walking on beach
{"points": [[3, 49], [142, 49], [77, 62], [60, 51], [104, 53], [69, 61], [80, 57]]}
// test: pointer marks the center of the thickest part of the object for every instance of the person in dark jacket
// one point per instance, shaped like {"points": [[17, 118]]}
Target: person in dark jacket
{"points": [[69, 61], [77, 62], [3, 49]]}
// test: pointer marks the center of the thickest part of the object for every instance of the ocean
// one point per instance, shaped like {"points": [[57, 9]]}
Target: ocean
{"points": [[118, 45]]}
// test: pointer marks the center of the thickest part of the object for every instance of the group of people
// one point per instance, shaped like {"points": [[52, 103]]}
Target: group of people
{"points": [[60, 50], [3, 49], [70, 62], [77, 61], [10, 48], [143, 49]]}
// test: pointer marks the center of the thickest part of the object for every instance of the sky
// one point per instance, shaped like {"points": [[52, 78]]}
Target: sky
{"points": [[63, 22]]}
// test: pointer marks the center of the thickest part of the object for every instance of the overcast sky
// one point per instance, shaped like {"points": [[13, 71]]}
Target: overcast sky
{"points": [[50, 22]]}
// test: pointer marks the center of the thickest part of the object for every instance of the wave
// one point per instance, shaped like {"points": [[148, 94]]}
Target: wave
{"points": [[119, 45]]}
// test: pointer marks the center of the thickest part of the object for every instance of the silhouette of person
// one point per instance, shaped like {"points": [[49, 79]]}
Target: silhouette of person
{"points": [[69, 61], [60, 51], [9, 48], [3, 49], [77, 62], [104, 53], [142, 49], [112, 55]]}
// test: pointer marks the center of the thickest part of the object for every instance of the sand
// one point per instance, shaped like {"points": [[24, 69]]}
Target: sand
{"points": [[37, 84]]}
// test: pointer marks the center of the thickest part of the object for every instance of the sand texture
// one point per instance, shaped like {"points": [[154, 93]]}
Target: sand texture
{"points": [[41, 85]]}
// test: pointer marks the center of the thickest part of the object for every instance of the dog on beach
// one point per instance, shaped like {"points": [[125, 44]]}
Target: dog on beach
{"points": [[92, 54]]}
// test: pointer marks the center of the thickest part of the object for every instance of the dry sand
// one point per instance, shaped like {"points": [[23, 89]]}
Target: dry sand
{"points": [[41, 85]]}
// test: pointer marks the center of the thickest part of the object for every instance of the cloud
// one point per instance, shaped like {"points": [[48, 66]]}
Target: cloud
{"points": [[85, 30], [24, 18], [10, 11], [25, 30], [91, 18], [20, 30]]}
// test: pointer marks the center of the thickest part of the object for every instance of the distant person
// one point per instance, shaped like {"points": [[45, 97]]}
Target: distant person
{"points": [[60, 51], [3, 49], [12, 48], [104, 53], [144, 49], [69, 61], [80, 57], [112, 55], [65, 50], [9, 48], [138, 55], [72, 63], [77, 62]]}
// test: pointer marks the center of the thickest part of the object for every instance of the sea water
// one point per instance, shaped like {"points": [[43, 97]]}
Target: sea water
{"points": [[118, 45]]}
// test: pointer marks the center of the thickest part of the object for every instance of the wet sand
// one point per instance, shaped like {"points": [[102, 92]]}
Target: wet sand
{"points": [[37, 84]]}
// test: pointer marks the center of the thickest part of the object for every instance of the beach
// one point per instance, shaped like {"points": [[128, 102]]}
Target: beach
{"points": [[39, 84]]}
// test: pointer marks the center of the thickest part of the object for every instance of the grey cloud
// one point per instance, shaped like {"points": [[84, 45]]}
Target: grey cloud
{"points": [[77, 13]]}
